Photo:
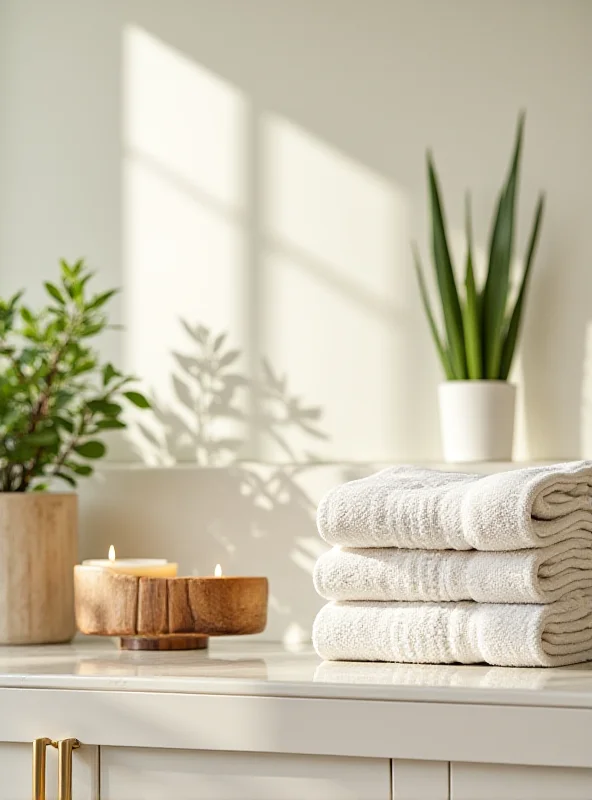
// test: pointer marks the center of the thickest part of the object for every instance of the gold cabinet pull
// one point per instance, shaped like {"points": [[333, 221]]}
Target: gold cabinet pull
{"points": [[65, 748], [39, 751]]}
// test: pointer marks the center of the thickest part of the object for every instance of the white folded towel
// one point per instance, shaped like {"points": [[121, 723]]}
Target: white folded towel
{"points": [[540, 575], [415, 508], [443, 633]]}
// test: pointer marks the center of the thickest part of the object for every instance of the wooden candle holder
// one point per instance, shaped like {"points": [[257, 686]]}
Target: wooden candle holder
{"points": [[167, 613]]}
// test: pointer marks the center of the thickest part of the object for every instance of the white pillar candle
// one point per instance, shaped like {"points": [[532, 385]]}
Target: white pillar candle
{"points": [[140, 567]]}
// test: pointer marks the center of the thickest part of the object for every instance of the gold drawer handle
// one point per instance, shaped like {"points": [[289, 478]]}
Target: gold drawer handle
{"points": [[65, 748], [39, 751]]}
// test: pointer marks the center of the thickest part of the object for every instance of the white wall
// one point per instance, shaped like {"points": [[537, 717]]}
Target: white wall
{"points": [[258, 166]]}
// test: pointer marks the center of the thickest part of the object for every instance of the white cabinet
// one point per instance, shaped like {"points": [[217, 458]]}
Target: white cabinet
{"points": [[16, 765], [420, 780], [128, 773], [514, 782], [158, 726], [15, 771]]}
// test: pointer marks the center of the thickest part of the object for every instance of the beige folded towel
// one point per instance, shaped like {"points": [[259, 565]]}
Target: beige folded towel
{"points": [[540, 575], [510, 635], [412, 508]]}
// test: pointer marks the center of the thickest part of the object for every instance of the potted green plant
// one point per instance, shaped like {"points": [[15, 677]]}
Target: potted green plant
{"points": [[57, 400], [481, 325]]}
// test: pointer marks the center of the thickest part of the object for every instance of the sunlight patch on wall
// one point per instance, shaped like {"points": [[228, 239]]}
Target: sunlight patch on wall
{"points": [[336, 256], [330, 208], [183, 263], [183, 188], [184, 117]]}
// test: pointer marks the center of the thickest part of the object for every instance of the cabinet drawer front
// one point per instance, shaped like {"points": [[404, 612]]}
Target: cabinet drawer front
{"points": [[513, 782], [16, 764], [420, 780], [150, 774]]}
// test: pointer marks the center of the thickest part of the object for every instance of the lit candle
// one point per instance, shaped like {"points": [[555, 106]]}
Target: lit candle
{"points": [[218, 571], [140, 567]]}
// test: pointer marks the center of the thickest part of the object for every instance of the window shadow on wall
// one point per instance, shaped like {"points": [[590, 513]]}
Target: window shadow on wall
{"points": [[241, 217]]}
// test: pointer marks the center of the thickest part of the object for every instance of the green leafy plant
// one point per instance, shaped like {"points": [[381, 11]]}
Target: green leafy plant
{"points": [[480, 329], [56, 398]]}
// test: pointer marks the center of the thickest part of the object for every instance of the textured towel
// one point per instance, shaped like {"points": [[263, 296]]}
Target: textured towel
{"points": [[443, 633], [419, 508], [540, 575]]}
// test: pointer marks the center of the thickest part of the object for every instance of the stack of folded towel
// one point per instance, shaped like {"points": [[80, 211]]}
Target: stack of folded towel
{"points": [[437, 567]]}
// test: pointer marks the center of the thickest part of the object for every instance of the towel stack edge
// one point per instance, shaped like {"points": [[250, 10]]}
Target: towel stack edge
{"points": [[435, 567]]}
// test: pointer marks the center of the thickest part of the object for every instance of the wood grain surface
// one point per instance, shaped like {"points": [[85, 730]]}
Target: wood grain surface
{"points": [[106, 602], [217, 606], [38, 550], [111, 604], [152, 606]]}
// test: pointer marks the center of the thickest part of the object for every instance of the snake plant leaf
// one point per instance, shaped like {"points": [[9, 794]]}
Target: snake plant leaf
{"points": [[446, 282], [514, 324], [471, 311], [495, 293], [442, 353]]}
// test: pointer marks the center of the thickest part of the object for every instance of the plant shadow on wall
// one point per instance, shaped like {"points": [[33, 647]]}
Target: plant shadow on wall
{"points": [[256, 513], [215, 398]]}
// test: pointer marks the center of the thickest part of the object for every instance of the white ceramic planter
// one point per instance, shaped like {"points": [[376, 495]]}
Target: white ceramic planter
{"points": [[477, 420]]}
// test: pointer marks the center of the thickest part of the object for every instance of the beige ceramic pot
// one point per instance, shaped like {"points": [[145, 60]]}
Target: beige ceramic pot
{"points": [[38, 551]]}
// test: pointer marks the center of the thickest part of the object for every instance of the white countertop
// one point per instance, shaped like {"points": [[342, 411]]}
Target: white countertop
{"points": [[262, 669]]}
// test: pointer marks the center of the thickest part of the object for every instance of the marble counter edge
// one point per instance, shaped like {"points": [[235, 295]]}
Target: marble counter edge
{"points": [[302, 690]]}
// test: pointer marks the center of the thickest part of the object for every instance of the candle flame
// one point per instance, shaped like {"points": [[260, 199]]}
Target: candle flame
{"points": [[218, 571], [111, 553]]}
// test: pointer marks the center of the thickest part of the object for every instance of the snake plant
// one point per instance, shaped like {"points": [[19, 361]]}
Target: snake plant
{"points": [[481, 326]]}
